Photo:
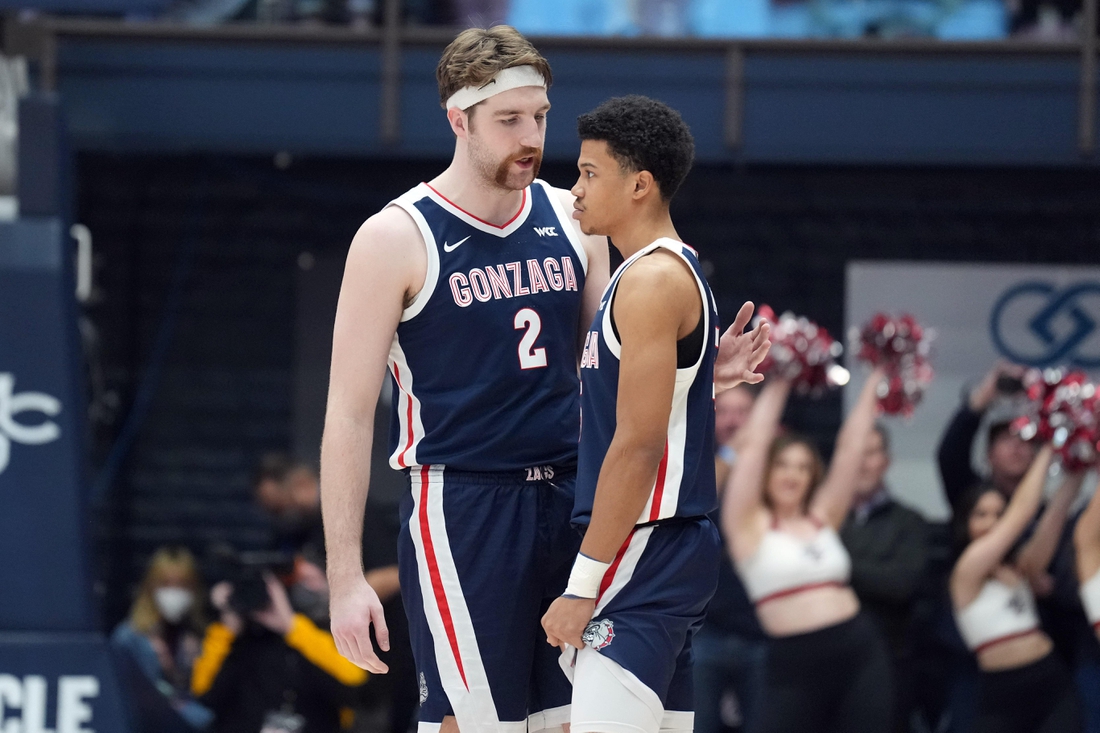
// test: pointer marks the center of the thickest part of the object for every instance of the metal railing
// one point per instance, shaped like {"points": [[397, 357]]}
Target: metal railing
{"points": [[38, 40]]}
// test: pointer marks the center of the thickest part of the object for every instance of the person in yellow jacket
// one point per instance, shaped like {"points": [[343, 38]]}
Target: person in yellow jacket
{"points": [[274, 672]]}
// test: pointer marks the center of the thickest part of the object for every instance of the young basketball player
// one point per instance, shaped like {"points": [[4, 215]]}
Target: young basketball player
{"points": [[648, 563], [471, 289]]}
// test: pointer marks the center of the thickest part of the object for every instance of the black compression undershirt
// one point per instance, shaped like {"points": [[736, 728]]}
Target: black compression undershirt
{"points": [[688, 349]]}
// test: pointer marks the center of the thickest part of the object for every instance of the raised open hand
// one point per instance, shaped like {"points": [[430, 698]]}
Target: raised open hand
{"points": [[741, 352]]}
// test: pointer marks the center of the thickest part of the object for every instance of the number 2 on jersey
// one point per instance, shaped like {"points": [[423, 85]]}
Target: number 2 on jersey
{"points": [[529, 356]]}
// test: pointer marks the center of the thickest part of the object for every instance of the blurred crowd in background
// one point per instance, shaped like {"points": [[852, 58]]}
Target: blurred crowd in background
{"points": [[1050, 20], [238, 641]]}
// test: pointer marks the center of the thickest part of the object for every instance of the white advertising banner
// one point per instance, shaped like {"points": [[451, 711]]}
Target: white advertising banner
{"points": [[1029, 314]]}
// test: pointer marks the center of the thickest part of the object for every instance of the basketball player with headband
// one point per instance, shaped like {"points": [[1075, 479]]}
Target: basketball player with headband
{"points": [[470, 290]]}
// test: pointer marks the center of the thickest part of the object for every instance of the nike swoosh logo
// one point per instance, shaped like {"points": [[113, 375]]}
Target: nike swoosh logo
{"points": [[453, 247]]}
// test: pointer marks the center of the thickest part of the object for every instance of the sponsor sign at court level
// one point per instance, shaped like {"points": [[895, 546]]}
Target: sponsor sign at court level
{"points": [[1037, 315]]}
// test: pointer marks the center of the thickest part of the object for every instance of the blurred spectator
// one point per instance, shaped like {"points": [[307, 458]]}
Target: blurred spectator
{"points": [[731, 410], [289, 494], [1008, 455], [480, 13], [662, 17], [162, 632], [722, 19], [731, 648], [887, 543], [269, 669], [1047, 20], [888, 546], [574, 17]]}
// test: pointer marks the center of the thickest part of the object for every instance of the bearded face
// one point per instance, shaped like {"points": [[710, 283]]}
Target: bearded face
{"points": [[506, 137], [514, 171]]}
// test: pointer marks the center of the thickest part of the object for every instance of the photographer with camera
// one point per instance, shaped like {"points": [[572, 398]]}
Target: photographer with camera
{"points": [[265, 668]]}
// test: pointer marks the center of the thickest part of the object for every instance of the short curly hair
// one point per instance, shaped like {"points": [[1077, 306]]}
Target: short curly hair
{"points": [[643, 134]]}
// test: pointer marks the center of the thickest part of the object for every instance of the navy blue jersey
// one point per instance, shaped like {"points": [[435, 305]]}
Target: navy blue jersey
{"points": [[484, 361], [685, 484]]}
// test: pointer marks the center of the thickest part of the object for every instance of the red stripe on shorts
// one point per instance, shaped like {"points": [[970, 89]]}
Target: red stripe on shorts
{"points": [[433, 572], [609, 574]]}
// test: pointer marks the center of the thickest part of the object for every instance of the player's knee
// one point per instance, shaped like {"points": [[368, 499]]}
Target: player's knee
{"points": [[449, 725]]}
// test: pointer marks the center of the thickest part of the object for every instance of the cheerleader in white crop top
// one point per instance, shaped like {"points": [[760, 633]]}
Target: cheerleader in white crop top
{"points": [[827, 665], [784, 564], [1086, 540], [1024, 687]]}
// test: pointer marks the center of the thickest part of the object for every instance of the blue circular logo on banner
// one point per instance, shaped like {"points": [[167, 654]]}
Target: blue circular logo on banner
{"points": [[1039, 324]]}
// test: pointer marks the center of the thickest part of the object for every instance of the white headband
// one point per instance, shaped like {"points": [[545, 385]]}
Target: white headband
{"points": [[506, 79]]}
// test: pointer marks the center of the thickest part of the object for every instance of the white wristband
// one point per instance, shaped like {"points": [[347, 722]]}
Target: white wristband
{"points": [[585, 579]]}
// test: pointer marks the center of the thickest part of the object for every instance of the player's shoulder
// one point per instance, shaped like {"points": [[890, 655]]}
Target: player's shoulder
{"points": [[661, 269], [658, 282], [392, 227]]}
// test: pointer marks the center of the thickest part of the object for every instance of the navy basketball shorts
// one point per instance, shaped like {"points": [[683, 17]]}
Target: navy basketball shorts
{"points": [[481, 557], [652, 602]]}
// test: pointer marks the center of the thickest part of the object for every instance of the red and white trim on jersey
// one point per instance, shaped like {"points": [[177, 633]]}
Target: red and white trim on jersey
{"points": [[622, 567], [458, 658], [406, 203], [665, 496], [502, 230], [410, 426]]}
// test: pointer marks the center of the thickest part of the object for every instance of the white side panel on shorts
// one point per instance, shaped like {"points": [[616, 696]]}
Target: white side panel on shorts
{"points": [[548, 721], [471, 699], [610, 699]]}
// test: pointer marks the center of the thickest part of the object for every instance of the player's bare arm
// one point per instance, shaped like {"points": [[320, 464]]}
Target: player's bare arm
{"points": [[595, 280], [385, 269], [656, 303]]}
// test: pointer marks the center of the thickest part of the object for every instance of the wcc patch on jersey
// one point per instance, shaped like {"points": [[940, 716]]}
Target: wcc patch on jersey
{"points": [[483, 364]]}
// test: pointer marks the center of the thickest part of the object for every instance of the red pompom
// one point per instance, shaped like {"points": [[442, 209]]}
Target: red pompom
{"points": [[901, 346], [1064, 409], [801, 352]]}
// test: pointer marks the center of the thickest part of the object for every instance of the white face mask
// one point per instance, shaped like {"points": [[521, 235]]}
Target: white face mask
{"points": [[173, 603]]}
